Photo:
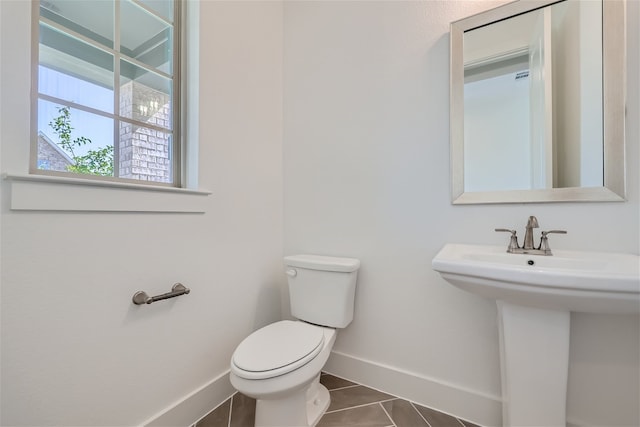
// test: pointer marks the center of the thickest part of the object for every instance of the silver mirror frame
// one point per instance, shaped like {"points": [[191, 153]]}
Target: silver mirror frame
{"points": [[614, 92]]}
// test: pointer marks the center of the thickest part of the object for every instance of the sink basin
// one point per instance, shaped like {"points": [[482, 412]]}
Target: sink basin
{"points": [[594, 282]]}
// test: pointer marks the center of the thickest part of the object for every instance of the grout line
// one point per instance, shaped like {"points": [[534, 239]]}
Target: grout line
{"points": [[347, 386], [360, 406], [385, 411], [419, 413], [230, 409]]}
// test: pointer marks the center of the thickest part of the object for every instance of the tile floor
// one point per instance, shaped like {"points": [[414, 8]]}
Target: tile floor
{"points": [[352, 405]]}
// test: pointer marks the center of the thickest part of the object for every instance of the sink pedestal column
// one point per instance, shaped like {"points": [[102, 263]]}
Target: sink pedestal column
{"points": [[534, 361]]}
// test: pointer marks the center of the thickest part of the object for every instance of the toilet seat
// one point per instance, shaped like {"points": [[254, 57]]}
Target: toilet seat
{"points": [[277, 349]]}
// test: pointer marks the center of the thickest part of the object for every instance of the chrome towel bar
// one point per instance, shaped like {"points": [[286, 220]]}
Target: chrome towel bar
{"points": [[141, 297]]}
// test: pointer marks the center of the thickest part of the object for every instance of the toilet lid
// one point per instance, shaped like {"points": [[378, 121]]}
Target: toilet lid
{"points": [[277, 349]]}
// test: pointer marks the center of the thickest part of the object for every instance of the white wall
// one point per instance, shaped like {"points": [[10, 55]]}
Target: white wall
{"points": [[75, 350], [366, 174]]}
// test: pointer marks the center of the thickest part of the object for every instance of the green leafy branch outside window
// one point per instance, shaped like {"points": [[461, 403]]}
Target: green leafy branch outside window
{"points": [[95, 162]]}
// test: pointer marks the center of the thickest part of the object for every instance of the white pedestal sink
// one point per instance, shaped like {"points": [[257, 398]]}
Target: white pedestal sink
{"points": [[535, 295]]}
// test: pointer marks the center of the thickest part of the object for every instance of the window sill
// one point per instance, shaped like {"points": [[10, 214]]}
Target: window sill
{"points": [[49, 193]]}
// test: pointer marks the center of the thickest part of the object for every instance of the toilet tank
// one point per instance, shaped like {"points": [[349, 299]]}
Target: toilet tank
{"points": [[322, 288]]}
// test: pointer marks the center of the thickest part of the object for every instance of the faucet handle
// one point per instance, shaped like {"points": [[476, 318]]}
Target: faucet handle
{"points": [[544, 233], [544, 240], [506, 230], [513, 242]]}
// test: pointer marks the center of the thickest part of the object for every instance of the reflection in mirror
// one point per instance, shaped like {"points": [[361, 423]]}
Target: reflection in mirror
{"points": [[510, 69], [530, 119]]}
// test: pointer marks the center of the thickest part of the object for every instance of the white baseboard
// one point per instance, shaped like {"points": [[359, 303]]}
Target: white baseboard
{"points": [[472, 405], [195, 405]]}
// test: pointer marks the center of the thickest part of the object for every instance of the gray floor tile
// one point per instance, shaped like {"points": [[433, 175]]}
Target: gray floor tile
{"points": [[332, 382], [219, 417], [437, 419], [403, 414], [354, 396], [353, 406], [243, 411], [362, 416]]}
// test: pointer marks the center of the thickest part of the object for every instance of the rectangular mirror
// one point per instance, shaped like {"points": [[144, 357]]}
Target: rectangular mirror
{"points": [[537, 103]]}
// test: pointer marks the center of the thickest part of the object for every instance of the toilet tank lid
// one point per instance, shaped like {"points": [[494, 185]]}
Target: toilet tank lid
{"points": [[320, 262]]}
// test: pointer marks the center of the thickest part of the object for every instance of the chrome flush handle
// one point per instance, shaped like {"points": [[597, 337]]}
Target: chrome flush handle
{"points": [[292, 272]]}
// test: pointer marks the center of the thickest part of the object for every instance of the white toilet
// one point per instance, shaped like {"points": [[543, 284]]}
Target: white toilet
{"points": [[279, 365]]}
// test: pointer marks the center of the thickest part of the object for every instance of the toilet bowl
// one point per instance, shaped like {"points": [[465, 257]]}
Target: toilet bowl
{"points": [[279, 365], [285, 381]]}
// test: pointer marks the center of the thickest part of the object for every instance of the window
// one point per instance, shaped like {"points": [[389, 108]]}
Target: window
{"points": [[108, 94]]}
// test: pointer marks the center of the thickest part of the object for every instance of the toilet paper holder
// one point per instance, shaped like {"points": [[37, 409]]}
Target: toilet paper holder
{"points": [[141, 297]]}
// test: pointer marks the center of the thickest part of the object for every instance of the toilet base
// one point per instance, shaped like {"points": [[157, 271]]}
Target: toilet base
{"points": [[318, 400], [299, 409]]}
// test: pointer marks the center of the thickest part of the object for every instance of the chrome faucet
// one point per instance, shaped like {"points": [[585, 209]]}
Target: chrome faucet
{"points": [[528, 246]]}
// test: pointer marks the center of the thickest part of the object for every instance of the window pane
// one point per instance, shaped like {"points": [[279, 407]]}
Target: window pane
{"points": [[163, 8], [145, 37], [92, 19], [115, 58], [74, 71], [145, 96], [145, 154], [73, 140]]}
